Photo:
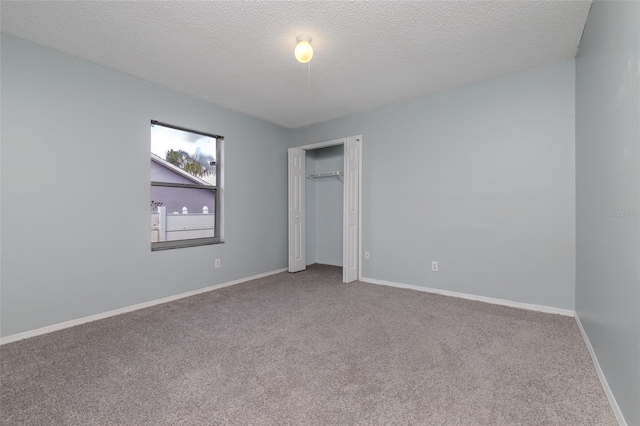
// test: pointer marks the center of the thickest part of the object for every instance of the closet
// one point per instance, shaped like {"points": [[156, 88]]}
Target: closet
{"points": [[325, 206], [324, 198]]}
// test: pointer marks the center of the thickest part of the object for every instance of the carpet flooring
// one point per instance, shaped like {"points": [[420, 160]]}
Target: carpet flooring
{"points": [[305, 349]]}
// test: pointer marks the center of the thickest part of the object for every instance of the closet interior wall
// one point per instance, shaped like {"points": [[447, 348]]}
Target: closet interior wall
{"points": [[324, 198]]}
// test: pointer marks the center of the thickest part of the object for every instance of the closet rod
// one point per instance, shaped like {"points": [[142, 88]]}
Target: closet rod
{"points": [[319, 175]]}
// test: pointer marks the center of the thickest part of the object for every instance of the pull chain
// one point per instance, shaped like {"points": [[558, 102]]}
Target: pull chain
{"points": [[309, 63]]}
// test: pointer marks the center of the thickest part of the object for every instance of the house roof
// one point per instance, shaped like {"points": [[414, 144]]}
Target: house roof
{"points": [[178, 170]]}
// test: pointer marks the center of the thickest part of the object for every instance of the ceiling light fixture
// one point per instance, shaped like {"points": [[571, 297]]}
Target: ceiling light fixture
{"points": [[303, 50]]}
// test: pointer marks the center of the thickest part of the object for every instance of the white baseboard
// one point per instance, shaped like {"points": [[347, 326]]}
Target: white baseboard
{"points": [[603, 380], [90, 318], [494, 301]]}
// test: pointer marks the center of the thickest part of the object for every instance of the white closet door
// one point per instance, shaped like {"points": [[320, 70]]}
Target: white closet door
{"points": [[297, 213], [351, 205]]}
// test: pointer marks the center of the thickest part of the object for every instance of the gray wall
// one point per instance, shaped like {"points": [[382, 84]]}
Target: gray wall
{"points": [[328, 206], [608, 195], [480, 178], [83, 133]]}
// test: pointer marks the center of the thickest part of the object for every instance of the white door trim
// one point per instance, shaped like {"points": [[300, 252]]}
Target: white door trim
{"points": [[342, 141], [297, 210], [359, 137], [351, 213], [325, 144]]}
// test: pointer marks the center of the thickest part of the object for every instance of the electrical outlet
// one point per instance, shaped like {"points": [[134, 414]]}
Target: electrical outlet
{"points": [[217, 263], [434, 266], [367, 255]]}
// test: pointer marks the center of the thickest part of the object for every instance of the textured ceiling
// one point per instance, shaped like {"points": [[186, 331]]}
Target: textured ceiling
{"points": [[367, 54]]}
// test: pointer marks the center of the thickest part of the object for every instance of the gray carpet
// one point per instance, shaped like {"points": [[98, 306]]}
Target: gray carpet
{"points": [[303, 349]]}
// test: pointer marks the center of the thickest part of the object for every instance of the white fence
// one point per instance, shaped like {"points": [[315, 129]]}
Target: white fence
{"points": [[181, 226]]}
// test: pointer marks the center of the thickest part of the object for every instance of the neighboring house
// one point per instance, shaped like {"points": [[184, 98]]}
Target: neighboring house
{"points": [[174, 199], [169, 219]]}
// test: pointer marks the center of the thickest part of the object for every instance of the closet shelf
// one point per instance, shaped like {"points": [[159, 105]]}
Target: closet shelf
{"points": [[339, 174]]}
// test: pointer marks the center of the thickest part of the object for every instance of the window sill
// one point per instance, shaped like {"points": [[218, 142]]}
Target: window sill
{"points": [[196, 242]]}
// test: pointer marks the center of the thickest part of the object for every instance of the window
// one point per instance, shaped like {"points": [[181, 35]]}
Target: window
{"points": [[185, 198]]}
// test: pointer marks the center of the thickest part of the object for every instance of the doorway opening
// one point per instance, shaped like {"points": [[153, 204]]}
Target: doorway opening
{"points": [[330, 178]]}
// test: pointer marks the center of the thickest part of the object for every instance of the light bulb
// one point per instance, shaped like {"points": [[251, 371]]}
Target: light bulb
{"points": [[303, 51]]}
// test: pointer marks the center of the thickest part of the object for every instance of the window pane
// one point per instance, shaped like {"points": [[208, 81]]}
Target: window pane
{"points": [[179, 156], [181, 213]]}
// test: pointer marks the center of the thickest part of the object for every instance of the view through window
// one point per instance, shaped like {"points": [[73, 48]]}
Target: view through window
{"points": [[185, 171]]}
